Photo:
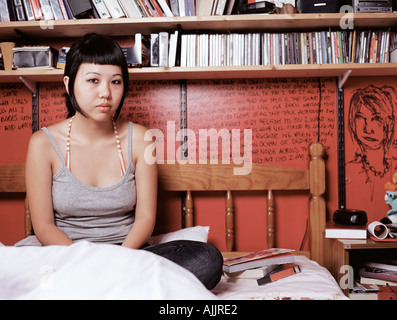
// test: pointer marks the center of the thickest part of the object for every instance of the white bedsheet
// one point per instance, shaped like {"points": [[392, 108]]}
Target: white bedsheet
{"points": [[93, 271], [313, 282]]}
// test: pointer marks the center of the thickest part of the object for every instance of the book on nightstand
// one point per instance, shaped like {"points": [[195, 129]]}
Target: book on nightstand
{"points": [[342, 231]]}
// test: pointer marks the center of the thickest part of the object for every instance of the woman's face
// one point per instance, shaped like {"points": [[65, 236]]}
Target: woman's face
{"points": [[369, 128], [98, 89]]}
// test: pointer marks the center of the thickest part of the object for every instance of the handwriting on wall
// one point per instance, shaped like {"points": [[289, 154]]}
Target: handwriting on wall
{"points": [[15, 121], [52, 107], [283, 114], [15, 108], [153, 103]]}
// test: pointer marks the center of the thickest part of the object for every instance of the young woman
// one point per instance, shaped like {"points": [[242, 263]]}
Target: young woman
{"points": [[86, 176]]}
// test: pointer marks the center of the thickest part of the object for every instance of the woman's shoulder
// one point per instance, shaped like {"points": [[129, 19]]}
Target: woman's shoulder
{"points": [[40, 139], [138, 131]]}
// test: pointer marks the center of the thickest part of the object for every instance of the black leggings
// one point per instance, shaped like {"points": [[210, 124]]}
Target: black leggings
{"points": [[202, 259]]}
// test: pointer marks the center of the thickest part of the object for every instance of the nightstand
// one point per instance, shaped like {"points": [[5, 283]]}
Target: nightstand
{"points": [[343, 254]]}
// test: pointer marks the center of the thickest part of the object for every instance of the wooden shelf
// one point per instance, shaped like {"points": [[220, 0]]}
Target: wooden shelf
{"points": [[232, 72], [230, 23], [64, 29]]}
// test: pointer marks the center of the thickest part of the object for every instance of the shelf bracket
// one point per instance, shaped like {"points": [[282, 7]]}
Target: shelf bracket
{"points": [[30, 84], [343, 78]]}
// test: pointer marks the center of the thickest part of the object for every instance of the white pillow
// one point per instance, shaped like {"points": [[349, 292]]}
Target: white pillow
{"points": [[197, 233]]}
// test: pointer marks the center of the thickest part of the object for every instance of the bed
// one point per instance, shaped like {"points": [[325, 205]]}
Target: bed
{"points": [[34, 272]]}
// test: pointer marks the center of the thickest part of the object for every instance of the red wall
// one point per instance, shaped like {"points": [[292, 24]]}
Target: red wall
{"points": [[15, 130], [282, 114]]}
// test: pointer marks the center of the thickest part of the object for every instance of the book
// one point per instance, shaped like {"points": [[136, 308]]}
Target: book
{"points": [[67, 8], [4, 13], [154, 49], [163, 49], [149, 8], [46, 9], [379, 282], [374, 272], [63, 10], [56, 9], [38, 14], [28, 10], [181, 8], [174, 5], [254, 273], [278, 272], [173, 49], [80, 8], [378, 272], [334, 230], [141, 8], [114, 8], [11, 10], [258, 259], [100, 7], [189, 8], [364, 291], [131, 9], [165, 8], [158, 11], [19, 11], [283, 271]]}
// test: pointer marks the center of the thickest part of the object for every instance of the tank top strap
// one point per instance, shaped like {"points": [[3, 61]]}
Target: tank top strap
{"points": [[54, 144], [130, 141]]}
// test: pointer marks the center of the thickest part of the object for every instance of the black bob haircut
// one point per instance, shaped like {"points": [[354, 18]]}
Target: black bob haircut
{"points": [[97, 49]]}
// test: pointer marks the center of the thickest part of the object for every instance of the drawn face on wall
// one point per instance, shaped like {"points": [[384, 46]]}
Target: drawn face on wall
{"points": [[369, 128]]}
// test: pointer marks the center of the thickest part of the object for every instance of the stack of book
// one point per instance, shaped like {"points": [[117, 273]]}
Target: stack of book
{"points": [[334, 230], [319, 47], [372, 277], [30, 10], [261, 267], [378, 274]]}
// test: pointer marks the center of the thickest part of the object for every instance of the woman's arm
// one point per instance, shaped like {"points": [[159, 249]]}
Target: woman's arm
{"points": [[146, 188], [38, 188]]}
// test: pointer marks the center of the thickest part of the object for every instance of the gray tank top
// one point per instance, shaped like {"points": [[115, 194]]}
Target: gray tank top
{"points": [[83, 212]]}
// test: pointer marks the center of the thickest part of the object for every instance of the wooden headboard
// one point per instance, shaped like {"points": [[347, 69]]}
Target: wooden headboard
{"points": [[221, 177]]}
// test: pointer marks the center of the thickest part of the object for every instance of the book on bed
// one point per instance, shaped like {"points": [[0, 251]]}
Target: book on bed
{"points": [[258, 259], [277, 272]]}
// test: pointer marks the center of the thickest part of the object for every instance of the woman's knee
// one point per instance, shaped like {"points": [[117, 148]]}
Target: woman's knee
{"points": [[202, 259]]}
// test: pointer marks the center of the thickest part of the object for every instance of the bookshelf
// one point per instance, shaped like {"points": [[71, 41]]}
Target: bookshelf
{"points": [[49, 30], [259, 22]]}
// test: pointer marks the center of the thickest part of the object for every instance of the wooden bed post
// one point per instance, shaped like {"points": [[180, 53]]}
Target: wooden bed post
{"points": [[189, 221], [317, 206], [229, 221], [270, 220]]}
